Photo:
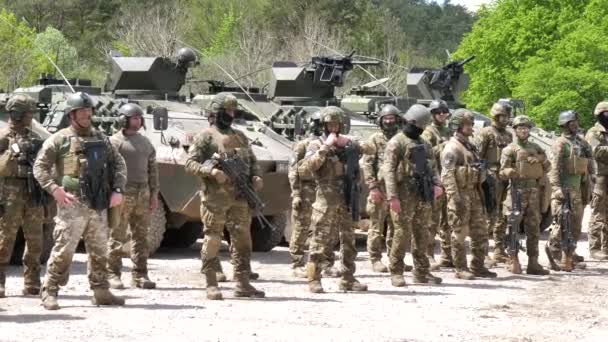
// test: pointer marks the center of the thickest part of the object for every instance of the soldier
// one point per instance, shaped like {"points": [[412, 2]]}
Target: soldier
{"points": [[412, 183], [18, 205], [462, 177], [220, 199], [570, 157], [140, 198], [490, 142], [437, 134], [523, 164], [597, 137], [303, 192], [325, 159], [90, 178], [377, 203]]}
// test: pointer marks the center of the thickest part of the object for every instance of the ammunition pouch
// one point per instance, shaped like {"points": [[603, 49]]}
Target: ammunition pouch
{"points": [[527, 169], [467, 177], [71, 184], [577, 165]]}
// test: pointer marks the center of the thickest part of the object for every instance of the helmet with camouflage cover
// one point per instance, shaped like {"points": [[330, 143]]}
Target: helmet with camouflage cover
{"points": [[522, 120], [601, 108], [77, 101], [501, 108], [387, 110], [418, 115], [461, 117], [20, 104], [567, 116], [335, 114], [436, 105], [223, 102]]}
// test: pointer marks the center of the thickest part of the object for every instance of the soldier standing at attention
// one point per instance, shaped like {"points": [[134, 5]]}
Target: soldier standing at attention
{"points": [[597, 137], [19, 206], [412, 183], [90, 178], [437, 134], [220, 200], [462, 177], [523, 164], [140, 198]]}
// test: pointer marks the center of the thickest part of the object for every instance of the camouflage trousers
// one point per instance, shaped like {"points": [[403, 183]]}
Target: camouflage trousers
{"points": [[19, 213], [531, 217], [215, 211], [576, 222], [134, 213], [72, 223], [328, 216], [598, 223], [300, 221], [439, 225], [467, 218], [497, 227], [411, 223]]}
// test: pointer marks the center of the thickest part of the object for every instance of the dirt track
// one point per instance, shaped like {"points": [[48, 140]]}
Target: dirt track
{"points": [[558, 307]]}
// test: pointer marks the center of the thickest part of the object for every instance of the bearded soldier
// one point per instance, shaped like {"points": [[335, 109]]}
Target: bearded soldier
{"points": [[90, 178], [437, 134], [461, 175], [331, 159], [20, 197], [140, 198], [377, 204], [220, 199], [597, 137], [524, 164], [570, 157], [412, 183]]}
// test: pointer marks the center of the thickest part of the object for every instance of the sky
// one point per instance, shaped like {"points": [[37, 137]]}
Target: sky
{"points": [[472, 5]]}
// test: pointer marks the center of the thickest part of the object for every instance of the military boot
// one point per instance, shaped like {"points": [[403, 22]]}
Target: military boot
{"points": [[115, 282], [31, 291], [314, 278], [2, 284], [254, 276], [379, 267], [407, 268], [598, 254], [213, 291], [566, 263], [426, 278], [484, 273], [2, 291], [535, 268], [499, 255], [105, 297], [49, 299], [221, 277], [299, 272], [332, 272], [464, 274], [244, 289], [349, 283], [577, 258], [514, 265], [143, 282], [397, 280]]}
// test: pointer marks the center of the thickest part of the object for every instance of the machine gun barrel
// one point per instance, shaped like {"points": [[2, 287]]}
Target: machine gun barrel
{"points": [[466, 61]]}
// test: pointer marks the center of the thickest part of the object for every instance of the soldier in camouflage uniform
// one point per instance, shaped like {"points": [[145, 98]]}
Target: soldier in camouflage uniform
{"points": [[140, 198], [303, 192], [219, 197], [323, 160], [412, 183], [437, 134], [461, 175], [570, 158], [377, 202], [523, 164], [18, 145], [80, 155], [490, 142], [597, 137]]}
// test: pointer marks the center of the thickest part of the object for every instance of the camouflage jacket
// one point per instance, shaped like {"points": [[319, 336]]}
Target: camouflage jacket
{"points": [[140, 156], [460, 166], [490, 143], [437, 136], [14, 163], [524, 160], [296, 180], [597, 137], [61, 153], [398, 166], [372, 163], [570, 158]]}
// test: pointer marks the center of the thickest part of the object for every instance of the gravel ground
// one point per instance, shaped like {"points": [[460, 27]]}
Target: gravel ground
{"points": [[558, 307]]}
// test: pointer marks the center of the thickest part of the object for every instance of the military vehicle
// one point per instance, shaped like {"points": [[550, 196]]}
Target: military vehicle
{"points": [[153, 83]]}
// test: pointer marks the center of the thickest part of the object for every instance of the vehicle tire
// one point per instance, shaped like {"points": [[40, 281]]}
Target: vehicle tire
{"points": [[264, 239], [183, 237], [156, 231], [47, 245]]}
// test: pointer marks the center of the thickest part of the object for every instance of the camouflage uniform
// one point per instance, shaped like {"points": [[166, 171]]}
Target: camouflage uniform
{"points": [[524, 164], [142, 184], [570, 157], [18, 210], [64, 153], [597, 137], [490, 142], [414, 218], [329, 209], [438, 136], [461, 178], [220, 201]]}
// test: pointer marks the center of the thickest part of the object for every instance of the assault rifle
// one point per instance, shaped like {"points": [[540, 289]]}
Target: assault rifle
{"points": [[514, 220], [423, 178], [350, 157], [568, 243], [26, 158], [488, 187]]}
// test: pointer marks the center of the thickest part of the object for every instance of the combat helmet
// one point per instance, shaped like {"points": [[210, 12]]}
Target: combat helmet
{"points": [[127, 111], [567, 116], [222, 102], [418, 115], [501, 108], [20, 104], [460, 117], [522, 120], [77, 101], [438, 104], [387, 110], [335, 114], [601, 108]]}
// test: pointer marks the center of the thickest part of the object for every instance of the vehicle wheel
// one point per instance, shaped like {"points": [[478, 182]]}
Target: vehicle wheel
{"points": [[264, 239], [183, 237], [156, 231], [47, 245]]}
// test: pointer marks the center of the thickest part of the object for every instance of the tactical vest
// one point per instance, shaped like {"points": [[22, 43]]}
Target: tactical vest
{"points": [[332, 169], [380, 142], [498, 141], [17, 160], [577, 160], [466, 170], [407, 167], [600, 167], [528, 161]]}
